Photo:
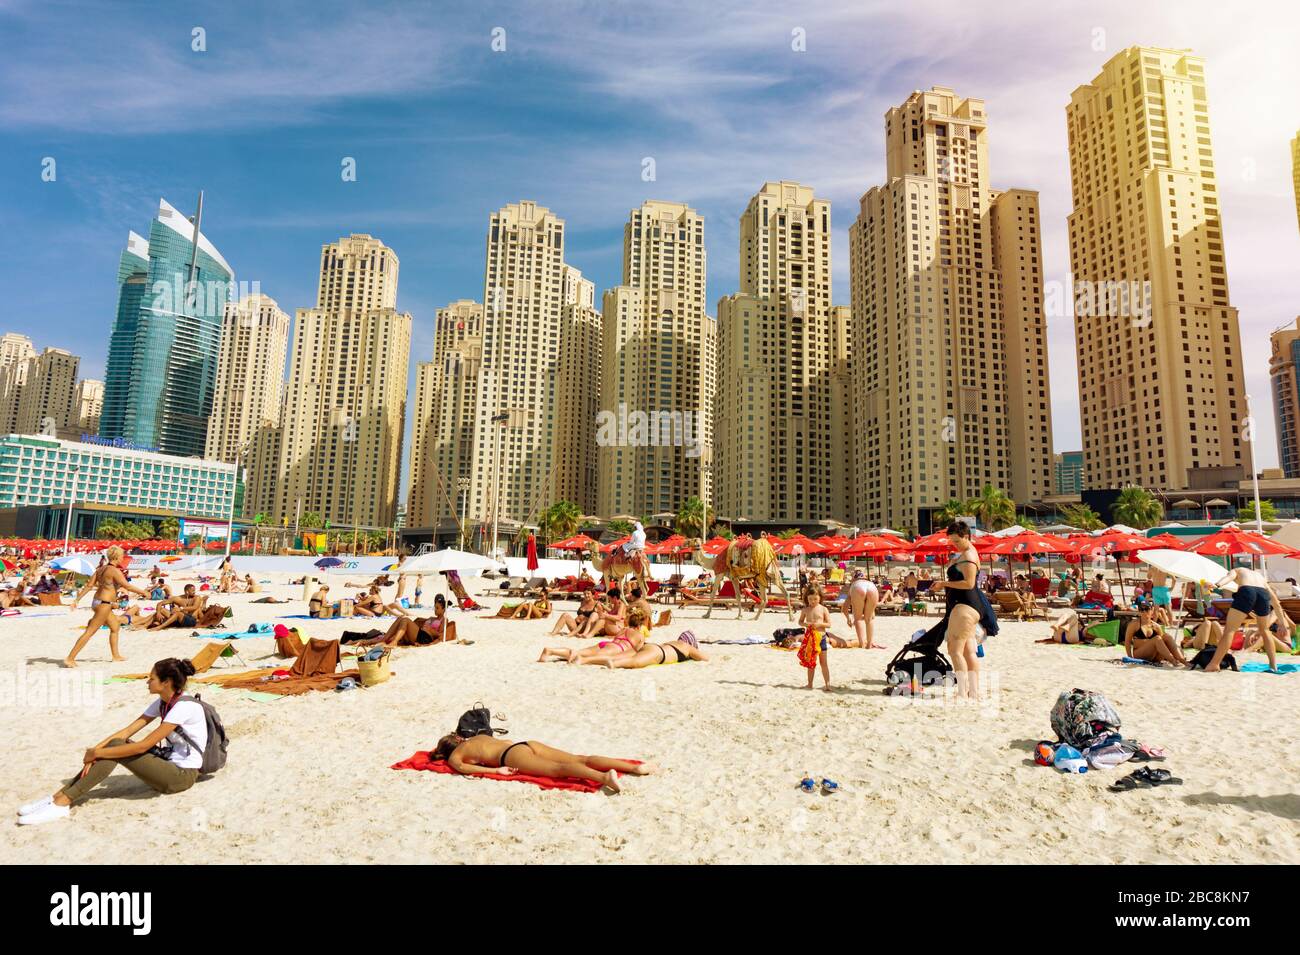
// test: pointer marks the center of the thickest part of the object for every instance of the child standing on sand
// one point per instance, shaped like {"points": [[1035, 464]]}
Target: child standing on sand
{"points": [[816, 620]]}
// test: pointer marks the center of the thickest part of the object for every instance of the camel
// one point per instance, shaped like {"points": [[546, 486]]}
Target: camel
{"points": [[615, 567], [761, 568]]}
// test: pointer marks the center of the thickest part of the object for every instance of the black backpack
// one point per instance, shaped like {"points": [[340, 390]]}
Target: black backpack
{"points": [[214, 754], [477, 722], [1203, 658]]}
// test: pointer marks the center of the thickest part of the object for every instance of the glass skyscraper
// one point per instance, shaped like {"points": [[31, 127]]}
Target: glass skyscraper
{"points": [[162, 358]]}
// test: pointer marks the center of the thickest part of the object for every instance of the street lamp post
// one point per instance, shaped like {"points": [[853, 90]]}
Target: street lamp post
{"points": [[234, 489], [500, 418], [72, 496]]}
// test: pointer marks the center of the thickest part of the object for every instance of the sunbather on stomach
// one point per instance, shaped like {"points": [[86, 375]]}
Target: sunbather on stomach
{"points": [[497, 757]]}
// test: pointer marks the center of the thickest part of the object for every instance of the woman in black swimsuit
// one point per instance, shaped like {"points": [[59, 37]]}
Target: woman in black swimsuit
{"points": [[501, 757], [1144, 639], [575, 622], [962, 610], [684, 648]]}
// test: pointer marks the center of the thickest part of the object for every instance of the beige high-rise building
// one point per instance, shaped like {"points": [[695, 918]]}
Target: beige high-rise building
{"points": [[658, 363], [341, 439], [518, 421], [577, 395], [1284, 375], [1295, 173], [90, 401], [1161, 381], [949, 356], [15, 350], [48, 402], [446, 399], [776, 458], [248, 394]]}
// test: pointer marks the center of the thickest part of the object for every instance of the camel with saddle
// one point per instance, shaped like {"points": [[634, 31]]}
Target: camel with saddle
{"points": [[744, 560], [616, 566]]}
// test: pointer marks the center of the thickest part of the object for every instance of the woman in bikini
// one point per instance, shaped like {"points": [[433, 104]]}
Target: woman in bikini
{"points": [[609, 621], [107, 580], [629, 640], [1066, 629], [1145, 639], [962, 610], [421, 631], [574, 622], [686, 647], [488, 755]]}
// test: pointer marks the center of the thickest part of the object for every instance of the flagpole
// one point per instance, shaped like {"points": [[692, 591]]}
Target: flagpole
{"points": [[1248, 437]]}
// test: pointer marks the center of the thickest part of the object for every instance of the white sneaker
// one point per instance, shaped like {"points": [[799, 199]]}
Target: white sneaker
{"points": [[35, 804], [45, 814]]}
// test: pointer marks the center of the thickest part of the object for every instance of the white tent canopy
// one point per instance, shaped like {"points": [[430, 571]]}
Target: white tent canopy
{"points": [[439, 560]]}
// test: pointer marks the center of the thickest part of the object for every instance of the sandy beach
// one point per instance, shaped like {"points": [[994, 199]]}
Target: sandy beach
{"points": [[308, 778]]}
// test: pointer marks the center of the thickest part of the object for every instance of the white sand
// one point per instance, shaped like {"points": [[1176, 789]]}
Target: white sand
{"points": [[308, 777]]}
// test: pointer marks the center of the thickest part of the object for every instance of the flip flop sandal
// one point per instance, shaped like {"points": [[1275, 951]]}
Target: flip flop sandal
{"points": [[830, 787], [807, 784], [1134, 780], [1160, 777]]}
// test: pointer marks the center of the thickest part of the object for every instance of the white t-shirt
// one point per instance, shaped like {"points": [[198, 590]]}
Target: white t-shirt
{"points": [[187, 715]]}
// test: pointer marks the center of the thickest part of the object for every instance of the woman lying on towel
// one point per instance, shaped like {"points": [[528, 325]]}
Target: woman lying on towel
{"points": [[630, 640], [1066, 629], [501, 757], [421, 631], [168, 759], [530, 610], [686, 647]]}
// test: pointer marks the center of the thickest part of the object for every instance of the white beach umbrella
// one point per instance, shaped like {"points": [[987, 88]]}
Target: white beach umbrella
{"points": [[76, 563], [440, 560]]}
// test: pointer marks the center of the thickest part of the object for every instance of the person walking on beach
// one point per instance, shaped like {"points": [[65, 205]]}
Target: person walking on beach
{"points": [[168, 759], [1252, 596], [860, 609], [107, 580], [816, 621], [962, 609]]}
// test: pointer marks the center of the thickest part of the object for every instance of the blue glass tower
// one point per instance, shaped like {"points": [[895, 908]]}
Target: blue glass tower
{"points": [[162, 358]]}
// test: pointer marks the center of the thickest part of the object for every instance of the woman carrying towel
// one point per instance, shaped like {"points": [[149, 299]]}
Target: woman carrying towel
{"points": [[168, 759]]}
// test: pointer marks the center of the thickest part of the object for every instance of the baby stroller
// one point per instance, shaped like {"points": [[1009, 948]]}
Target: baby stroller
{"points": [[921, 659]]}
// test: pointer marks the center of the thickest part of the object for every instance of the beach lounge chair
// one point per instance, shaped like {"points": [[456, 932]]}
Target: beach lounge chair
{"points": [[516, 587], [534, 586], [1007, 603], [668, 592]]}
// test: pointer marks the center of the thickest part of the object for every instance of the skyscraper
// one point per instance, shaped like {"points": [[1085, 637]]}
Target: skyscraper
{"points": [[526, 289], [248, 394], [48, 404], [659, 357], [577, 395], [944, 273], [340, 446], [776, 456], [1161, 382], [446, 400], [15, 350], [162, 357], [90, 400], [1284, 375]]}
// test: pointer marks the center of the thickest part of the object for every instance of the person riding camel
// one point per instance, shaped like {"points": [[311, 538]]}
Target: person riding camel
{"points": [[635, 545]]}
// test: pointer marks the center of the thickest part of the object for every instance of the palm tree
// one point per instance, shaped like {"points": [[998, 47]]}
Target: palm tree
{"points": [[949, 513], [110, 529], [1081, 516], [786, 534], [723, 531], [169, 529], [690, 517], [311, 521], [993, 508], [560, 520], [1137, 507], [620, 527]]}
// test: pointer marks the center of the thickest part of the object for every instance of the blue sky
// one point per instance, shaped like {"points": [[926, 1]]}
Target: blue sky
{"points": [[444, 130]]}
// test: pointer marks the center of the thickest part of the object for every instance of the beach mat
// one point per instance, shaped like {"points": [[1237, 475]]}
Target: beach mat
{"points": [[421, 761], [1255, 666]]}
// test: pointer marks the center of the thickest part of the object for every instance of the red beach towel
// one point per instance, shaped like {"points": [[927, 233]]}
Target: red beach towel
{"points": [[421, 760]]}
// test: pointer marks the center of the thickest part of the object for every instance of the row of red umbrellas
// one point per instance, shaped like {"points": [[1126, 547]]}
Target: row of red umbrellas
{"points": [[1225, 542]]}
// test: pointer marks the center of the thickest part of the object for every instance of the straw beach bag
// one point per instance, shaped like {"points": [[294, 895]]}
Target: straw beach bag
{"points": [[374, 672]]}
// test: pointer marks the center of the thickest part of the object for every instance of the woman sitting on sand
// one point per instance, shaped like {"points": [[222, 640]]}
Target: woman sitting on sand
{"points": [[1065, 629], [610, 619], [107, 580], [421, 631], [1144, 639], [501, 757], [574, 622], [319, 601], [629, 640], [168, 759], [529, 610], [684, 648]]}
